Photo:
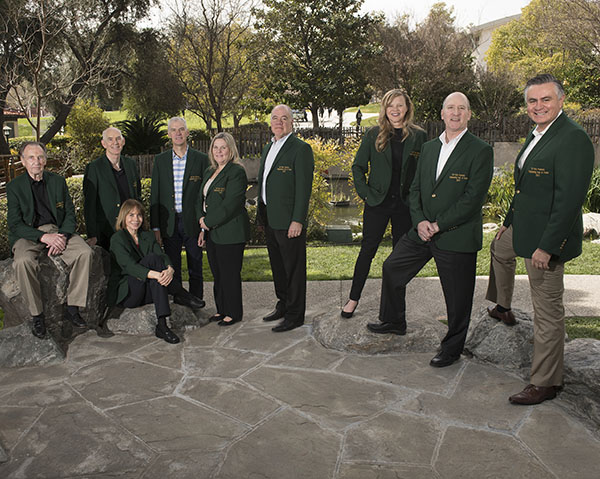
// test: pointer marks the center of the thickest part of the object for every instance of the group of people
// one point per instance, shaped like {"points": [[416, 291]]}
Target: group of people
{"points": [[431, 191]]}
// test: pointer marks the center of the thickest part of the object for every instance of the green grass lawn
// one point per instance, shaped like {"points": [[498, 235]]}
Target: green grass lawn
{"points": [[370, 108]]}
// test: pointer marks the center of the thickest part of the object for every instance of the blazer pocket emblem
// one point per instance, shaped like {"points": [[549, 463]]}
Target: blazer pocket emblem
{"points": [[284, 169], [60, 205], [219, 190], [194, 178], [538, 171], [415, 154], [458, 177]]}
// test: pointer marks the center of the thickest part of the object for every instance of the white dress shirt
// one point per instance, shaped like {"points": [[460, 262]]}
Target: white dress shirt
{"points": [[269, 160], [537, 136], [446, 150]]}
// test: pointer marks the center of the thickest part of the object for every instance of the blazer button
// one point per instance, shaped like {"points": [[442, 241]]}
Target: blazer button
{"points": [[433, 195], [118, 205], [518, 191]]}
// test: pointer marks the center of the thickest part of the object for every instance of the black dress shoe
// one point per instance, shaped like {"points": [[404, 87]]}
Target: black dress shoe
{"points": [[274, 315], [189, 300], [441, 360], [76, 319], [166, 334], [286, 325], [38, 327], [103, 331], [222, 322], [215, 318], [386, 328], [348, 314]]}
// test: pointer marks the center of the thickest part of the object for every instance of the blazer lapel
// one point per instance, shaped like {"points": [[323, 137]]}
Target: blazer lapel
{"points": [[433, 161], [110, 176], [285, 148], [459, 149], [188, 168], [51, 190]]}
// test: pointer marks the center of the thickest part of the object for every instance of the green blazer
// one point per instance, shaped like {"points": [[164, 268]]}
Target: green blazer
{"points": [[21, 210], [101, 196], [455, 199], [125, 258], [225, 213], [378, 166], [549, 191], [162, 194], [289, 183]]}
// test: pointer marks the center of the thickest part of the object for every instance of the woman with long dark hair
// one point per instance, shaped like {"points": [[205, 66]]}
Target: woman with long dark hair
{"points": [[383, 170]]}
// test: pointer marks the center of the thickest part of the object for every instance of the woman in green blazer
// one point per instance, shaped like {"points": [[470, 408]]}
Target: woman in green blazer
{"points": [[140, 273], [225, 226], [383, 170]]}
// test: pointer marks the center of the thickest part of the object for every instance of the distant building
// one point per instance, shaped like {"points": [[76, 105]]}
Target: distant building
{"points": [[482, 37], [11, 120]]}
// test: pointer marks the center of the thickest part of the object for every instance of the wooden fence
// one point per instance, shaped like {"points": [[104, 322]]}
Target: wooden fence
{"points": [[251, 140]]}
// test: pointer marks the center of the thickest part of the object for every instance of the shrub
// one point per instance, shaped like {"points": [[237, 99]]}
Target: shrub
{"points": [[500, 194], [143, 135], [592, 201], [4, 248]]}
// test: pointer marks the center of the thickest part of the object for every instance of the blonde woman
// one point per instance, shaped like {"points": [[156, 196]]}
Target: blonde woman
{"points": [[383, 170], [225, 226]]}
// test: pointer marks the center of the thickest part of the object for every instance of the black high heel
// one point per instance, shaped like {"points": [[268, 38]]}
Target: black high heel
{"points": [[346, 314]]}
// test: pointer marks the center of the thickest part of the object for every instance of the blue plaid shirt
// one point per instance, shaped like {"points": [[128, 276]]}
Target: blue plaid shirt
{"points": [[178, 171]]}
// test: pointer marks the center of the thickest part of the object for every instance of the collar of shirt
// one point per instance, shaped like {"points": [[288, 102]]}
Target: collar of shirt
{"points": [[184, 157], [35, 182], [536, 132], [454, 140], [281, 140]]}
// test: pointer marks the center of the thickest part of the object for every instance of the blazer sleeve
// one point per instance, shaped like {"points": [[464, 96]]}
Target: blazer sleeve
{"points": [[571, 183], [234, 198], [360, 166], [155, 195], [473, 197], [90, 200], [126, 261], [303, 169], [16, 222], [69, 223], [415, 203]]}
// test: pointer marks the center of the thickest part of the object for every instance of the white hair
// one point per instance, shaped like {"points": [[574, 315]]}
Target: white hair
{"points": [[174, 119], [105, 132]]}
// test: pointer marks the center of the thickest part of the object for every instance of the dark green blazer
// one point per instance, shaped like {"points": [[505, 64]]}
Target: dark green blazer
{"points": [[455, 199], [125, 261], [225, 213], [21, 210], [162, 195], [549, 191], [289, 183], [378, 166], [101, 196]]}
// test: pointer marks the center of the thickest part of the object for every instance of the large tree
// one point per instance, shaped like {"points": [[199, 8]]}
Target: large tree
{"points": [[318, 52], [77, 45], [212, 51], [555, 36], [429, 61]]}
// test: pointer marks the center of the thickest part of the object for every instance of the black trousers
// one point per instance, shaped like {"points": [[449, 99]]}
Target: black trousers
{"points": [[173, 247], [375, 221], [288, 264], [150, 291], [226, 265], [457, 275]]}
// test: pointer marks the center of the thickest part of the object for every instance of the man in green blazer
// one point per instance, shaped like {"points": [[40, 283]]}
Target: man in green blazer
{"points": [[107, 183], [452, 179], [543, 226], [41, 217], [285, 183], [176, 179]]}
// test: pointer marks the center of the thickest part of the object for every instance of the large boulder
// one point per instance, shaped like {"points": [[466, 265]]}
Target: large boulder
{"points": [[591, 225], [18, 348], [492, 341], [352, 335], [582, 377], [142, 320]]}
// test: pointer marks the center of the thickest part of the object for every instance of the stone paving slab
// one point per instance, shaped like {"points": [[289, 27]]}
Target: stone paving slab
{"points": [[243, 402]]}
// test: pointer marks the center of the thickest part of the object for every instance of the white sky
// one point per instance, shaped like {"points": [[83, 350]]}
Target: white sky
{"points": [[466, 12]]}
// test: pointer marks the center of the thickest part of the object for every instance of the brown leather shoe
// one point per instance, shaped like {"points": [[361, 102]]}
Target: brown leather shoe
{"points": [[507, 317], [534, 394]]}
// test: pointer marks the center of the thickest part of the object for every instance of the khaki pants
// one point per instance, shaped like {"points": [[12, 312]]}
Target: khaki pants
{"points": [[77, 255], [547, 290]]}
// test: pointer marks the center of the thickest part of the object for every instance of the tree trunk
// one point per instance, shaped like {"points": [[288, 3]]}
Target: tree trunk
{"points": [[315, 115]]}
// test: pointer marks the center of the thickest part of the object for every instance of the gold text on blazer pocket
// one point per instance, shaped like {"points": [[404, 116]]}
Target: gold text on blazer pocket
{"points": [[60, 204], [458, 177], [219, 190], [415, 153], [284, 169], [538, 171], [194, 178]]}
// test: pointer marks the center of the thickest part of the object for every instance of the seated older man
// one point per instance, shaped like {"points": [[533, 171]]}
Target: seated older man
{"points": [[41, 218]]}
